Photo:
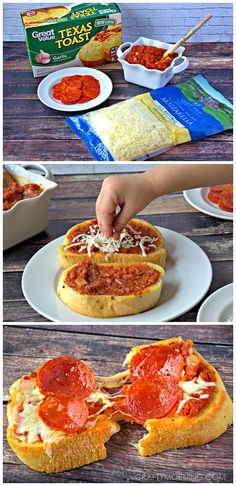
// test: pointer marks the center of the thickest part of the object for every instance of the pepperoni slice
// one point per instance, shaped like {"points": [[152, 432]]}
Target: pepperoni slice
{"points": [[83, 99], [76, 89], [91, 87], [156, 361], [65, 376], [152, 399], [220, 187], [213, 197], [63, 413], [226, 201]]}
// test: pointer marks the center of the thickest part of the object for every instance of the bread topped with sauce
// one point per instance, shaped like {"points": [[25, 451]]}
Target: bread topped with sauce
{"points": [[55, 417], [111, 289], [139, 242], [102, 47]]}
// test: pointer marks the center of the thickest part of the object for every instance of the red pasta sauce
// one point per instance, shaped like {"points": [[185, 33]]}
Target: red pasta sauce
{"points": [[15, 193], [150, 57], [92, 279]]}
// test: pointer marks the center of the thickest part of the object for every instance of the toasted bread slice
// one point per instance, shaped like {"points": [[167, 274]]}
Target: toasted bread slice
{"points": [[58, 451], [71, 256], [92, 54], [113, 305], [178, 431]]}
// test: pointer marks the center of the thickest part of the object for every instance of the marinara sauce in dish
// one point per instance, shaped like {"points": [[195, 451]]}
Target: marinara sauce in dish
{"points": [[76, 89], [15, 193], [89, 278], [150, 57]]}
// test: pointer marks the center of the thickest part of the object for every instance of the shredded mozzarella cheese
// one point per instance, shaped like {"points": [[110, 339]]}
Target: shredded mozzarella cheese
{"points": [[197, 385], [95, 239], [28, 425]]}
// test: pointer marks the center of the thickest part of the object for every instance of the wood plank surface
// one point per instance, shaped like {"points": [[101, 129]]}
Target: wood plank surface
{"points": [[33, 131], [74, 201], [103, 348]]}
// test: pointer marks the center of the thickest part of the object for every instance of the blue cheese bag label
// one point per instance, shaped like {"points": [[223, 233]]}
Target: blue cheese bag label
{"points": [[151, 123], [197, 106]]}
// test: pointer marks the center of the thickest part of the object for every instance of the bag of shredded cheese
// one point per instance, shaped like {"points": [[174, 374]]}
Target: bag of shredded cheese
{"points": [[151, 123]]}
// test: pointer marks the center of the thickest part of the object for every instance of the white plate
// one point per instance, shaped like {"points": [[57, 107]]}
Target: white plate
{"points": [[198, 199], [188, 278], [45, 88], [218, 307]]}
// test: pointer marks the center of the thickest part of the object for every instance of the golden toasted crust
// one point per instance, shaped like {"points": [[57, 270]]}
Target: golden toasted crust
{"points": [[65, 453], [115, 40], [92, 53], [104, 306], [179, 431], [68, 258]]}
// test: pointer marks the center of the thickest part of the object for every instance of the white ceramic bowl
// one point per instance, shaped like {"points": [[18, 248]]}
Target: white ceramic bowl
{"points": [[29, 216], [150, 78]]}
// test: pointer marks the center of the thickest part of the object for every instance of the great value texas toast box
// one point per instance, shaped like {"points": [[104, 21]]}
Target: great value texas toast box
{"points": [[85, 34]]}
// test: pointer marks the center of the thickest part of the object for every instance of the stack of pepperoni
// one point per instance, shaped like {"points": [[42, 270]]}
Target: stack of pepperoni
{"points": [[156, 372], [222, 195], [65, 383], [76, 89]]}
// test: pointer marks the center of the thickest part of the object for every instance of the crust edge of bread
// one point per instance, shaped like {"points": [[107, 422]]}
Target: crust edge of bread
{"points": [[65, 453], [105, 306]]}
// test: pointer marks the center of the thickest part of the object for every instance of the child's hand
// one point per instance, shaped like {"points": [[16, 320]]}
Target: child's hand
{"points": [[130, 192], [134, 192]]}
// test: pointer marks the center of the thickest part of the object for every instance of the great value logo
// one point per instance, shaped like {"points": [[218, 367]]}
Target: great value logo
{"points": [[44, 36]]}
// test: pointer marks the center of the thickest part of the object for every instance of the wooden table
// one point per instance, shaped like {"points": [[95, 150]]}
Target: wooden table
{"points": [[103, 348], [33, 131], [74, 200]]}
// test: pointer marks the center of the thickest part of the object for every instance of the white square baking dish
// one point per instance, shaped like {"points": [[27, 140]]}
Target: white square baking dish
{"points": [[29, 216], [150, 78]]}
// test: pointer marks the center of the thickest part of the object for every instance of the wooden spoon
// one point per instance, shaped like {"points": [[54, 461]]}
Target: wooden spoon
{"points": [[189, 34]]}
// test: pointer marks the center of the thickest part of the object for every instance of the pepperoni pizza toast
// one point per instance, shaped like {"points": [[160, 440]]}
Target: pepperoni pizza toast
{"points": [[61, 415], [175, 394], [56, 419], [111, 289], [139, 241]]}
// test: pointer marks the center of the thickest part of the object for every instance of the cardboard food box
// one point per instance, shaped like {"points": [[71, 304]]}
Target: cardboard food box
{"points": [[85, 34]]}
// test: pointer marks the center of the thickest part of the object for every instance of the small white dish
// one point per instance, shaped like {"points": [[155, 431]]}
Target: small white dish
{"points": [[45, 89], [198, 199], [218, 307], [187, 279], [28, 217], [150, 78]]}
